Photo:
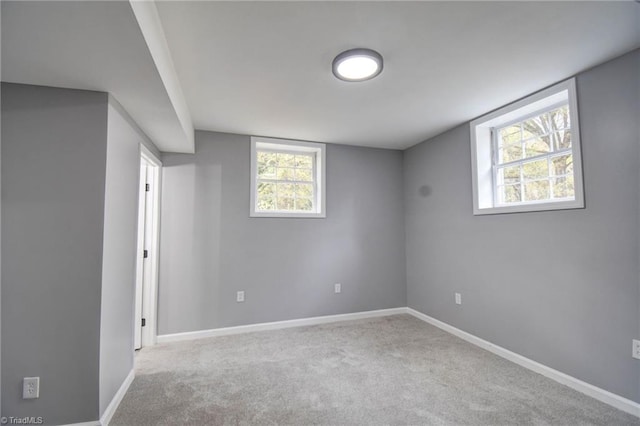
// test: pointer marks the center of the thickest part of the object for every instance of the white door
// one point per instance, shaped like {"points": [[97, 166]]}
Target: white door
{"points": [[147, 254], [140, 260]]}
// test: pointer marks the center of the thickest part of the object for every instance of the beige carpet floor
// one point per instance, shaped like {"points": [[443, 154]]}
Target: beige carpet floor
{"points": [[393, 370]]}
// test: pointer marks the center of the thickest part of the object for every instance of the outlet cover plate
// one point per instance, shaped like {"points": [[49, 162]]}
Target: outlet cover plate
{"points": [[240, 296], [31, 388], [636, 349]]}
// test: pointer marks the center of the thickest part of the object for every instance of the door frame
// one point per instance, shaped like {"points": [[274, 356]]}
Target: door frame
{"points": [[147, 270]]}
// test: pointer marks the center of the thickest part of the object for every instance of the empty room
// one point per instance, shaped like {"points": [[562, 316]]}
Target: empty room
{"points": [[320, 213]]}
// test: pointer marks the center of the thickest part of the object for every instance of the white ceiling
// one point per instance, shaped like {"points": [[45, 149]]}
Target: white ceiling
{"points": [[264, 68]]}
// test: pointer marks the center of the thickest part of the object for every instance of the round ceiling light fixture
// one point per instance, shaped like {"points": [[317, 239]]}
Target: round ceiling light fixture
{"points": [[357, 65]]}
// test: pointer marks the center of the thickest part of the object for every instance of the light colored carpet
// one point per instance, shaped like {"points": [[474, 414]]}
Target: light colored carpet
{"points": [[390, 370]]}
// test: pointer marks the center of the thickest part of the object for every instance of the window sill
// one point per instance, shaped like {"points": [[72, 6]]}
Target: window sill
{"points": [[530, 207], [284, 215]]}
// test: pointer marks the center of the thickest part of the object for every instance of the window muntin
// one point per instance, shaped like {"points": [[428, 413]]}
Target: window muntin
{"points": [[287, 178], [526, 155], [533, 159]]}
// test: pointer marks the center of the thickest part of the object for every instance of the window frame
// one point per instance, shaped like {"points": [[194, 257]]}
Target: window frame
{"points": [[484, 155], [287, 146]]}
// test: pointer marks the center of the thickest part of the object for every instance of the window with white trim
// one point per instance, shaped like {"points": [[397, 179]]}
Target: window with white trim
{"points": [[287, 178], [526, 156]]}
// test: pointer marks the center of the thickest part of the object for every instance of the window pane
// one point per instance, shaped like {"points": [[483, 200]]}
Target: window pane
{"points": [[536, 190], [560, 118], [304, 190], [510, 153], [266, 158], [266, 189], [304, 204], [561, 139], [266, 172], [266, 196], [509, 194], [507, 175], [286, 160], [537, 146], [286, 173], [285, 190], [510, 134], [535, 127], [304, 175], [304, 161], [285, 203], [562, 165], [535, 169], [267, 204], [563, 187]]}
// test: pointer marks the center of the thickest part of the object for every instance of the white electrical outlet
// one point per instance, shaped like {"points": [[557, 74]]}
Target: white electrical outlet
{"points": [[240, 296], [337, 288], [458, 299], [636, 349], [31, 387]]}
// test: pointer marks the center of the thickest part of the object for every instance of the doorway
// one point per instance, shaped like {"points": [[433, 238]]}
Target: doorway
{"points": [[148, 247]]}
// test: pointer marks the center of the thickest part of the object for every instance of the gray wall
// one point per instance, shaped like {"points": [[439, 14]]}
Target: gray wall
{"points": [[0, 226], [119, 253], [53, 180], [210, 248], [580, 314]]}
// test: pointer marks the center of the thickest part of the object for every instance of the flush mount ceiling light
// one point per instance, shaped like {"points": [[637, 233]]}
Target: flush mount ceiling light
{"points": [[357, 65]]}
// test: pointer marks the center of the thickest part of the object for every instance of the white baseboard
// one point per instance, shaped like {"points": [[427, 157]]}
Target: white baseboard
{"points": [[177, 337], [94, 423], [602, 395], [117, 398]]}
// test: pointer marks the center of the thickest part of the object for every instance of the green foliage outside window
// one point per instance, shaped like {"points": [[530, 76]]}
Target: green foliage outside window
{"points": [[285, 181], [546, 138]]}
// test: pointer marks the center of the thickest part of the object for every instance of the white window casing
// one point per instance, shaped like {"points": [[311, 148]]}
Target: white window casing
{"points": [[316, 152], [487, 164]]}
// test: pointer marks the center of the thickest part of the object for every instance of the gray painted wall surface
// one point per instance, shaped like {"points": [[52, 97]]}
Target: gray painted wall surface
{"points": [[580, 314], [0, 226], [53, 162], [119, 253], [210, 248]]}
